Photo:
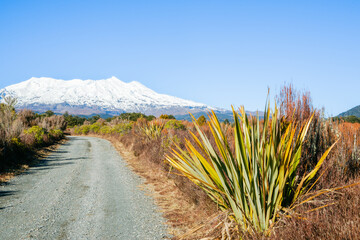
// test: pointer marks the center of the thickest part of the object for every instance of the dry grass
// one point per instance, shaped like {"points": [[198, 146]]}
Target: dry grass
{"points": [[339, 221]]}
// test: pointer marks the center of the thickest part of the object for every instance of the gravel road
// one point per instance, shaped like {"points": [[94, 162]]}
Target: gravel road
{"points": [[83, 190]]}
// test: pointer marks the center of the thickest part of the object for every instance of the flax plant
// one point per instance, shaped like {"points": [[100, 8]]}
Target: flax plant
{"points": [[153, 130], [259, 180]]}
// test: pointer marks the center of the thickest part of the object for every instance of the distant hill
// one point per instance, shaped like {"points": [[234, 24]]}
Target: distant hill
{"points": [[222, 116], [352, 112]]}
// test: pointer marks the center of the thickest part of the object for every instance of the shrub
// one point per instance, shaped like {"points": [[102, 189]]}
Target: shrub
{"points": [[17, 144], [201, 120], [94, 119], [77, 130], [141, 122], [85, 129], [169, 141], [258, 181], [106, 129], [165, 116], [124, 127], [27, 117], [56, 133], [152, 130], [28, 139], [7, 117], [54, 122], [73, 120], [37, 132], [135, 116], [175, 124], [95, 128]]}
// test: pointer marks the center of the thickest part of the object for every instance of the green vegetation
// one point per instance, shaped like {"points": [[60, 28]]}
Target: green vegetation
{"points": [[153, 130], [82, 129], [260, 179], [165, 116], [73, 120], [56, 133], [98, 128], [23, 132], [49, 113], [175, 124], [95, 127], [123, 127], [260, 171], [263, 172], [350, 119], [135, 116], [37, 132]]}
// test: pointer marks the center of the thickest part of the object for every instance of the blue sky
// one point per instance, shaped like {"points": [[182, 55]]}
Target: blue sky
{"points": [[215, 52]]}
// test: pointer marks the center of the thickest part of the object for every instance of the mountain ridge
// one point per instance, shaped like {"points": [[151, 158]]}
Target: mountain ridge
{"points": [[355, 111], [105, 96]]}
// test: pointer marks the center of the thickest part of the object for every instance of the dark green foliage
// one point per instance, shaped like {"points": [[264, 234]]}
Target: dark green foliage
{"points": [[49, 113], [94, 118], [151, 117], [165, 116], [73, 120], [135, 116]]}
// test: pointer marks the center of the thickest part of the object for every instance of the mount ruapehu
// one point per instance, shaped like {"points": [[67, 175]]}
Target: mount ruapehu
{"points": [[105, 97]]}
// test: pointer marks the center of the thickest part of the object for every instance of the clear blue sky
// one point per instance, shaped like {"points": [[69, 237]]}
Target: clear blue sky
{"points": [[216, 52]]}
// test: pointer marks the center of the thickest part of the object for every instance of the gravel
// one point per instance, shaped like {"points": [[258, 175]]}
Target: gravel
{"points": [[84, 190]]}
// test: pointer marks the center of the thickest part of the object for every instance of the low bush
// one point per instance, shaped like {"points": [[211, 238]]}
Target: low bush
{"points": [[22, 133], [175, 124], [17, 145], [123, 127], [95, 128], [56, 134], [106, 130], [37, 132], [85, 129]]}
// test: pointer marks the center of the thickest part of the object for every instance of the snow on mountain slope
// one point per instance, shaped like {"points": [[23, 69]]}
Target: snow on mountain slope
{"points": [[110, 96]]}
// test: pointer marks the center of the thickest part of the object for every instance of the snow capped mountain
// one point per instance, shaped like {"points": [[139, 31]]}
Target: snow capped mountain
{"points": [[111, 96]]}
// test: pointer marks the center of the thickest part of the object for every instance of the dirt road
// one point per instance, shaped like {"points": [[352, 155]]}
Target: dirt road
{"points": [[83, 190]]}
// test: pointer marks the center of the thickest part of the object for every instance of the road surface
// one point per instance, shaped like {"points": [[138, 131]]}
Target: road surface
{"points": [[83, 190]]}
